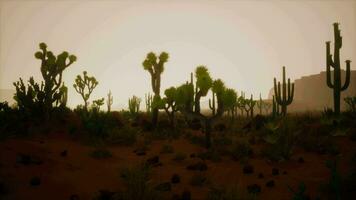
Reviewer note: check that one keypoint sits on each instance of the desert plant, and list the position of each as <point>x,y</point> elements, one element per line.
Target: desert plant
<point>98,103</point>
<point>229,193</point>
<point>334,62</point>
<point>155,66</point>
<point>335,179</point>
<point>275,107</point>
<point>351,103</point>
<point>198,180</point>
<point>122,136</point>
<point>148,101</point>
<point>179,156</point>
<point>169,104</point>
<point>185,99</point>
<point>134,105</point>
<point>137,184</point>
<point>109,101</point>
<point>212,103</point>
<point>249,106</point>
<point>166,149</point>
<point>284,97</point>
<point>100,154</point>
<point>85,86</point>
<point>300,194</point>
<point>50,90</point>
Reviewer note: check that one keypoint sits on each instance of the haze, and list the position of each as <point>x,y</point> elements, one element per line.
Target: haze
<point>245,43</point>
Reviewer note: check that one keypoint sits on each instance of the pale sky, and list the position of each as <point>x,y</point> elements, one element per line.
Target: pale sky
<point>245,43</point>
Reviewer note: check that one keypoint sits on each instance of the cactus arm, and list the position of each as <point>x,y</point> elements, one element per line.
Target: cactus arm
<point>276,89</point>
<point>348,76</point>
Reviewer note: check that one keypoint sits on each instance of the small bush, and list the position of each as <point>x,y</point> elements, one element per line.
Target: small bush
<point>136,181</point>
<point>230,193</point>
<point>241,150</point>
<point>100,154</point>
<point>212,155</point>
<point>166,149</point>
<point>198,180</point>
<point>122,136</point>
<point>180,156</point>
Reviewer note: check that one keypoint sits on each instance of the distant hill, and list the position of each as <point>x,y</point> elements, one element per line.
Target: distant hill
<point>7,95</point>
<point>312,93</point>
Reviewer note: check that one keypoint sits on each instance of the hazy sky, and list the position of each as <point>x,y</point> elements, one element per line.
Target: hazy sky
<point>245,43</point>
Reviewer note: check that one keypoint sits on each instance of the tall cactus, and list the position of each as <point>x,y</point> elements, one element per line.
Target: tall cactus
<point>284,97</point>
<point>335,63</point>
<point>212,103</point>
<point>155,66</point>
<point>275,107</point>
<point>109,101</point>
<point>134,105</point>
<point>249,106</point>
<point>260,104</point>
<point>148,102</point>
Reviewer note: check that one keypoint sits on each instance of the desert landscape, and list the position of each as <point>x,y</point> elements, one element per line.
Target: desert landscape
<point>200,139</point>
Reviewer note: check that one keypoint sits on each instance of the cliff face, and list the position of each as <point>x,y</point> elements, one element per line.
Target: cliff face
<point>312,93</point>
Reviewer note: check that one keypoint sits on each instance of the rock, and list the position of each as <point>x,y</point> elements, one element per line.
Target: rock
<point>176,197</point>
<point>270,183</point>
<point>301,160</point>
<point>164,187</point>
<point>3,189</point>
<point>186,195</point>
<point>74,197</point>
<point>64,153</point>
<point>105,195</point>
<point>192,155</point>
<point>28,159</point>
<point>248,169</point>
<point>254,189</point>
<point>284,172</point>
<point>140,152</point>
<point>153,161</point>
<point>275,172</point>
<point>260,176</point>
<point>175,179</point>
<point>35,181</point>
<point>199,166</point>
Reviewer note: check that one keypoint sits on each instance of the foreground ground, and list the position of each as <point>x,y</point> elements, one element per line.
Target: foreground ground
<point>77,174</point>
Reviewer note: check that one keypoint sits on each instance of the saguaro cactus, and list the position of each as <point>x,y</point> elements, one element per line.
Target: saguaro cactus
<point>285,97</point>
<point>212,103</point>
<point>260,104</point>
<point>335,64</point>
<point>134,105</point>
<point>275,107</point>
<point>85,86</point>
<point>249,106</point>
<point>109,101</point>
<point>155,66</point>
<point>148,102</point>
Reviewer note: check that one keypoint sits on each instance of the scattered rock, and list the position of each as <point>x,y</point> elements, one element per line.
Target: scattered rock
<point>28,159</point>
<point>192,155</point>
<point>153,161</point>
<point>275,172</point>
<point>64,153</point>
<point>140,152</point>
<point>186,195</point>
<point>74,197</point>
<point>164,187</point>
<point>260,176</point>
<point>105,195</point>
<point>35,181</point>
<point>270,183</point>
<point>175,179</point>
<point>254,189</point>
<point>284,172</point>
<point>248,169</point>
<point>199,166</point>
<point>301,160</point>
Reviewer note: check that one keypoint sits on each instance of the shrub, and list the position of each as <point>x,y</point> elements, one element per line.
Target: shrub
<point>230,193</point>
<point>241,150</point>
<point>100,154</point>
<point>180,156</point>
<point>122,136</point>
<point>198,180</point>
<point>211,154</point>
<point>167,149</point>
<point>136,180</point>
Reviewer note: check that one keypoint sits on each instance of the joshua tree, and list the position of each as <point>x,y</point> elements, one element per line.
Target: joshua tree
<point>334,62</point>
<point>109,101</point>
<point>285,97</point>
<point>155,66</point>
<point>185,98</point>
<point>64,97</point>
<point>98,103</point>
<point>148,101</point>
<point>169,103</point>
<point>51,90</point>
<point>85,86</point>
<point>240,103</point>
<point>134,105</point>
<point>212,103</point>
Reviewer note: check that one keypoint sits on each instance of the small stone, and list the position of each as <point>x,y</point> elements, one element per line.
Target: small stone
<point>192,155</point>
<point>260,176</point>
<point>74,197</point>
<point>284,172</point>
<point>105,195</point>
<point>35,181</point>
<point>140,152</point>
<point>254,189</point>
<point>186,195</point>
<point>270,183</point>
<point>64,153</point>
<point>275,172</point>
<point>153,161</point>
<point>301,160</point>
<point>164,187</point>
<point>175,179</point>
<point>248,169</point>
<point>199,166</point>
